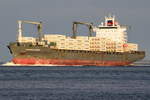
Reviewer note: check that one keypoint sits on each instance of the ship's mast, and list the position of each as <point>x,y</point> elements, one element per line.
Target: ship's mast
<point>74,28</point>
<point>39,28</point>
<point>19,39</point>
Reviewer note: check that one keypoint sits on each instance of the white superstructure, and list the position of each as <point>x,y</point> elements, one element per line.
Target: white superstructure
<point>111,29</point>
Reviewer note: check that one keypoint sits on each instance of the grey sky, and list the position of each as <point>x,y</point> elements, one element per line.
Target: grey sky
<point>57,16</point>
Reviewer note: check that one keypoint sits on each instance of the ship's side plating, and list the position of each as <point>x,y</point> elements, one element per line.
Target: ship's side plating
<point>29,54</point>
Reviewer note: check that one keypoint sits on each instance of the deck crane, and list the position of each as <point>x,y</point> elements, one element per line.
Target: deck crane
<point>39,28</point>
<point>74,28</point>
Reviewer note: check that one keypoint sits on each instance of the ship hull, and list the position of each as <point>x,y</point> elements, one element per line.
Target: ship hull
<point>26,54</point>
<point>31,61</point>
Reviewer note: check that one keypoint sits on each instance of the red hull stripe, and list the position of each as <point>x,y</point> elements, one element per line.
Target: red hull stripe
<point>31,61</point>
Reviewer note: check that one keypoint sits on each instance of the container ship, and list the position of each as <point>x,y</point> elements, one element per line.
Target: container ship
<point>108,47</point>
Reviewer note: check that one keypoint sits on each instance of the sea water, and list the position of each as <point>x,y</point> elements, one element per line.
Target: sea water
<point>74,83</point>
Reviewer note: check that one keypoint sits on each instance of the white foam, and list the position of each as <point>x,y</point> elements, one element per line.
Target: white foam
<point>12,64</point>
